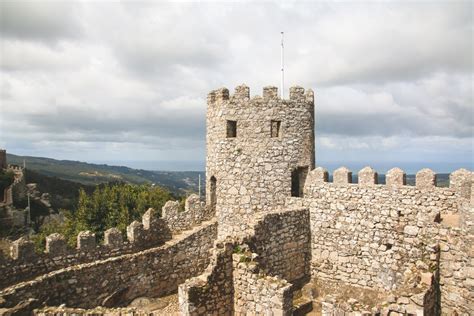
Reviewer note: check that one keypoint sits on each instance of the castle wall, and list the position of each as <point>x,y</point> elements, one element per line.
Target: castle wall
<point>116,281</point>
<point>253,274</point>
<point>369,235</point>
<point>211,293</point>
<point>379,236</point>
<point>253,170</point>
<point>282,241</point>
<point>24,263</point>
<point>257,293</point>
<point>195,211</point>
<point>457,262</point>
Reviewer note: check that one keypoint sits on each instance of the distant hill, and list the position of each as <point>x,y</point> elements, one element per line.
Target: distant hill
<point>178,182</point>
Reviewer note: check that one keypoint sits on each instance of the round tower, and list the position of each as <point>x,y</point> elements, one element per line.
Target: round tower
<point>259,152</point>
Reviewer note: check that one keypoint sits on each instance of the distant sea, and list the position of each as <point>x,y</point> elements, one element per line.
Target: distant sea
<point>381,167</point>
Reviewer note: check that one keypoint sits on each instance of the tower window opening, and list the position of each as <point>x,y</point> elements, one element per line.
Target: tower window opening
<point>298,178</point>
<point>213,194</point>
<point>275,128</point>
<point>231,129</point>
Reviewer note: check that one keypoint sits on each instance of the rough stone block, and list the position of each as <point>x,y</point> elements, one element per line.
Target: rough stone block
<point>461,180</point>
<point>86,240</point>
<point>149,219</point>
<point>297,93</point>
<point>193,204</point>
<point>396,177</point>
<point>368,176</point>
<point>22,249</point>
<point>425,179</point>
<point>113,238</point>
<point>221,94</point>
<point>242,92</point>
<point>270,92</point>
<point>318,175</point>
<point>342,176</point>
<point>135,232</point>
<point>169,209</point>
<point>309,96</point>
<point>56,244</point>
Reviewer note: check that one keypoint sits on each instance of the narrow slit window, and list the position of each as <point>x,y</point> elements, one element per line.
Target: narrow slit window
<point>275,128</point>
<point>231,129</point>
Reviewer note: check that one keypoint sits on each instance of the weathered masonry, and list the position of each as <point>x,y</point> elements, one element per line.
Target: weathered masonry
<point>259,151</point>
<point>275,236</point>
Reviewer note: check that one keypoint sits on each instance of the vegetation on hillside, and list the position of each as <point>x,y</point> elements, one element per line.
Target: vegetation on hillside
<point>115,205</point>
<point>178,182</point>
<point>6,179</point>
<point>63,194</point>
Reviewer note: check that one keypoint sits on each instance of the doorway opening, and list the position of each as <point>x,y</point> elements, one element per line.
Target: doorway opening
<point>298,178</point>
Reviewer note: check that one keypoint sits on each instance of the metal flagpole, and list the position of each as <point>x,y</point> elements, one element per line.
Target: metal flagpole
<point>282,93</point>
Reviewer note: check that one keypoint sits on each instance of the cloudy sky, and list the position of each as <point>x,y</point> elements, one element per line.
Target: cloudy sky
<point>127,82</point>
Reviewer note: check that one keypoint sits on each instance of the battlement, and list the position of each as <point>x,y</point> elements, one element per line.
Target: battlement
<point>24,262</point>
<point>426,179</point>
<point>297,95</point>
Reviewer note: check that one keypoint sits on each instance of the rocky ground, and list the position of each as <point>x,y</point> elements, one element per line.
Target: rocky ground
<point>167,305</point>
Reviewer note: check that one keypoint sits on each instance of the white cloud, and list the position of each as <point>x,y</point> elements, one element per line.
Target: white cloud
<point>132,78</point>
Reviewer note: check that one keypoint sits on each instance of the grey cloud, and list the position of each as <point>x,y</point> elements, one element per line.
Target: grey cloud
<point>142,71</point>
<point>39,20</point>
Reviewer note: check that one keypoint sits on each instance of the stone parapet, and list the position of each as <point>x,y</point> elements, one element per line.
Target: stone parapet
<point>156,271</point>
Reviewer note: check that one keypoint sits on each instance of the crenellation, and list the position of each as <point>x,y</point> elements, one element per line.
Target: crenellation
<point>297,93</point>
<point>309,96</point>
<point>317,175</point>
<point>86,241</point>
<point>149,220</point>
<point>461,181</point>
<point>195,211</point>
<point>56,245</point>
<point>113,238</point>
<point>395,177</point>
<point>242,92</point>
<point>270,93</point>
<point>22,249</point>
<point>425,179</point>
<point>342,175</point>
<point>367,176</point>
<point>135,233</point>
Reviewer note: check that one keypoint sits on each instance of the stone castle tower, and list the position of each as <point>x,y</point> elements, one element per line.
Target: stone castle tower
<point>259,151</point>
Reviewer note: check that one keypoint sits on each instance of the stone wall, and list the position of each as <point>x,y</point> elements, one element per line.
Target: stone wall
<point>252,172</point>
<point>211,293</point>
<point>116,281</point>
<point>456,260</point>
<point>282,241</point>
<point>255,292</point>
<point>195,211</point>
<point>24,263</point>
<point>368,234</point>
<point>254,272</point>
